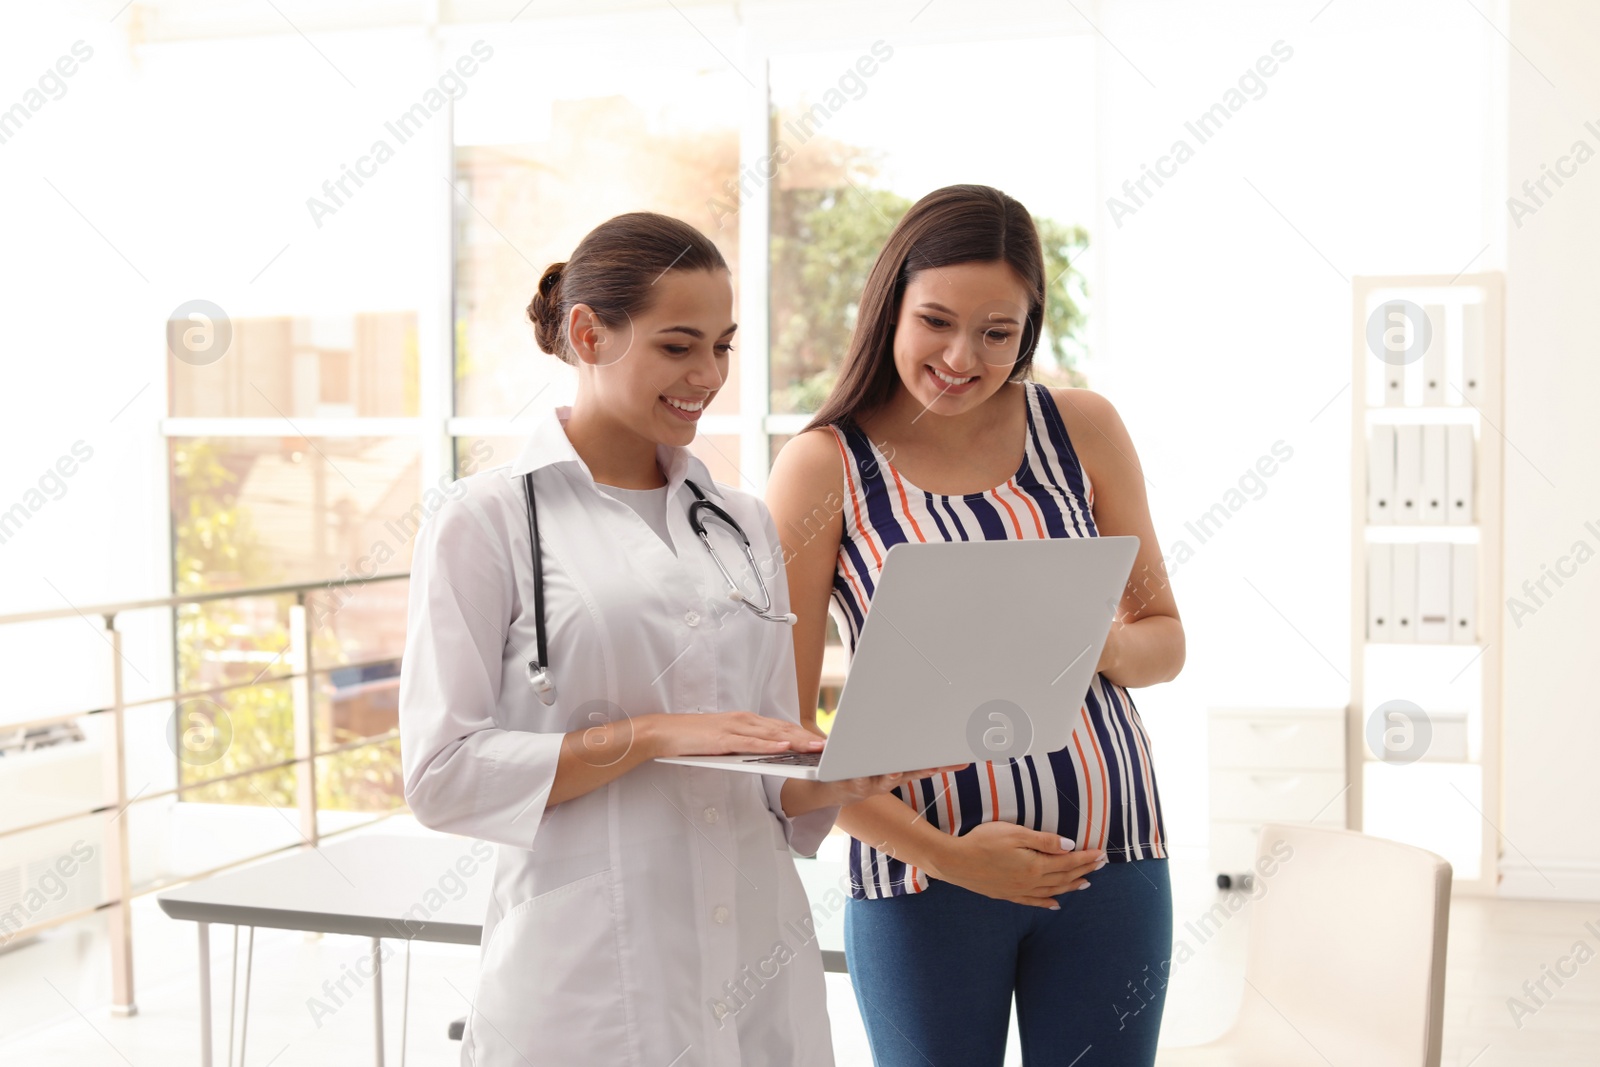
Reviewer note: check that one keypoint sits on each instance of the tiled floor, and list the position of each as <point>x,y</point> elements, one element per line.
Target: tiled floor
<point>54,992</point>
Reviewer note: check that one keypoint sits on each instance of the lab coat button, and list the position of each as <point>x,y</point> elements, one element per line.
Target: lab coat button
<point>692,618</point>
<point>711,814</point>
<point>720,913</point>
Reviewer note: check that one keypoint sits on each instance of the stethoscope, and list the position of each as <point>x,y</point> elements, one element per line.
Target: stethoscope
<point>538,669</point>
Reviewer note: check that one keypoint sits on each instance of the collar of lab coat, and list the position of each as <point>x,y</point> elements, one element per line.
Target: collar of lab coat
<point>549,444</point>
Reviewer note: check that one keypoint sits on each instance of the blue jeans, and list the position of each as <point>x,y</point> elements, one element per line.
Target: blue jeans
<point>934,973</point>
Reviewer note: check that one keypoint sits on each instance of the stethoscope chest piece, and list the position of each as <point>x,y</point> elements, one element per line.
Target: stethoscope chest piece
<point>539,678</point>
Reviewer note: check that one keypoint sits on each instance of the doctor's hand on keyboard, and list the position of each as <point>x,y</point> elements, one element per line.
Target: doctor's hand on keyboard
<point>723,733</point>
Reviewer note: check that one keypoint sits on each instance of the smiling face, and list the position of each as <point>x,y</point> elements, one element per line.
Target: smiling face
<point>655,372</point>
<point>959,333</point>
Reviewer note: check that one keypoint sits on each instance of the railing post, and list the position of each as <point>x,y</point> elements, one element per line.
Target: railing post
<point>119,926</point>
<point>305,717</point>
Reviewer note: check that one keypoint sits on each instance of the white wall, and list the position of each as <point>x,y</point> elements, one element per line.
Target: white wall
<point>1222,308</point>
<point>1552,731</point>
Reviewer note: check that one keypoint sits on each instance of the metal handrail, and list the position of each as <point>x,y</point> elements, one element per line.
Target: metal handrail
<point>260,768</point>
<point>178,599</point>
<point>307,751</point>
<point>193,694</point>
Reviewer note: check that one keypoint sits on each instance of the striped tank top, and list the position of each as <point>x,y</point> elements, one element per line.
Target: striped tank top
<point>1100,790</point>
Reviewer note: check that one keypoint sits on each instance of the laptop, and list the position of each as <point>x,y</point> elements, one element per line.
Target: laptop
<point>971,651</point>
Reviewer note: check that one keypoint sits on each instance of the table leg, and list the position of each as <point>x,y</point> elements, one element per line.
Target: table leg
<point>205,994</point>
<point>233,990</point>
<point>377,998</point>
<point>405,1004</point>
<point>244,1015</point>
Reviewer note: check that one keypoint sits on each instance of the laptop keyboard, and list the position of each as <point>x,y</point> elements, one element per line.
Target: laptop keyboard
<point>794,759</point>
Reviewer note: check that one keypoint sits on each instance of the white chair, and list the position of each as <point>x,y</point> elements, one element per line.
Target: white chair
<point>1346,960</point>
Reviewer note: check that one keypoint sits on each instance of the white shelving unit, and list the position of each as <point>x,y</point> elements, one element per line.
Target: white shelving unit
<point>1444,795</point>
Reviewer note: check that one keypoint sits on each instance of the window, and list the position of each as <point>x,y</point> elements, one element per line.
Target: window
<point>535,170</point>
<point>866,132</point>
<point>267,506</point>
<point>316,367</point>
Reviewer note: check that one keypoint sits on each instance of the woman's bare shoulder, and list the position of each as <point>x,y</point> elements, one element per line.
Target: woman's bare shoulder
<point>807,476</point>
<point>811,459</point>
<point>1096,430</point>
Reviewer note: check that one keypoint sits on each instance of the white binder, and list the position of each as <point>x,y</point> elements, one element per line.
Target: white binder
<point>1394,372</point>
<point>1460,457</point>
<point>1403,593</point>
<point>1472,341</point>
<point>1433,359</point>
<point>1380,568</point>
<point>1464,594</point>
<point>1433,592</point>
<point>1433,497</point>
<point>1380,475</point>
<point>1407,474</point>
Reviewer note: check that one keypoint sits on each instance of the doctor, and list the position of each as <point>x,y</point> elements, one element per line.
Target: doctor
<point>642,913</point>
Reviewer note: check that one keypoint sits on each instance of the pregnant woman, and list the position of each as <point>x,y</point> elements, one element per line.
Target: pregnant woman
<point>969,889</point>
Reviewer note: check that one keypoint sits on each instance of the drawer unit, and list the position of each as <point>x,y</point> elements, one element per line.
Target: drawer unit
<point>1277,796</point>
<point>1248,742</point>
<point>1271,765</point>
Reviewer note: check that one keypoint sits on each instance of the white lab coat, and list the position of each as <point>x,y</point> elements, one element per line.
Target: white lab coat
<point>659,919</point>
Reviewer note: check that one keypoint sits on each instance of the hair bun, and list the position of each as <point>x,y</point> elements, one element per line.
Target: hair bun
<point>612,272</point>
<point>544,311</point>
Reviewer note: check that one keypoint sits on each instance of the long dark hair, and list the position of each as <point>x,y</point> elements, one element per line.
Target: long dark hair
<point>956,224</point>
<point>612,270</point>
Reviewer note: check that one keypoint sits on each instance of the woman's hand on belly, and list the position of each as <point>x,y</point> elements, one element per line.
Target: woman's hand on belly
<point>1011,862</point>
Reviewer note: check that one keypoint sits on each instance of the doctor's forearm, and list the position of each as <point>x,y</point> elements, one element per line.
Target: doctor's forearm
<point>801,796</point>
<point>597,755</point>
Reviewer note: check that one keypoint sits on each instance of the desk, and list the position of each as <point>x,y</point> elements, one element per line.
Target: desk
<point>385,886</point>
<point>372,886</point>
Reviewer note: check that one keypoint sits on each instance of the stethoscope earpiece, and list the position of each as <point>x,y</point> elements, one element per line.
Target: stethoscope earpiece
<point>734,592</point>
<point>739,598</point>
